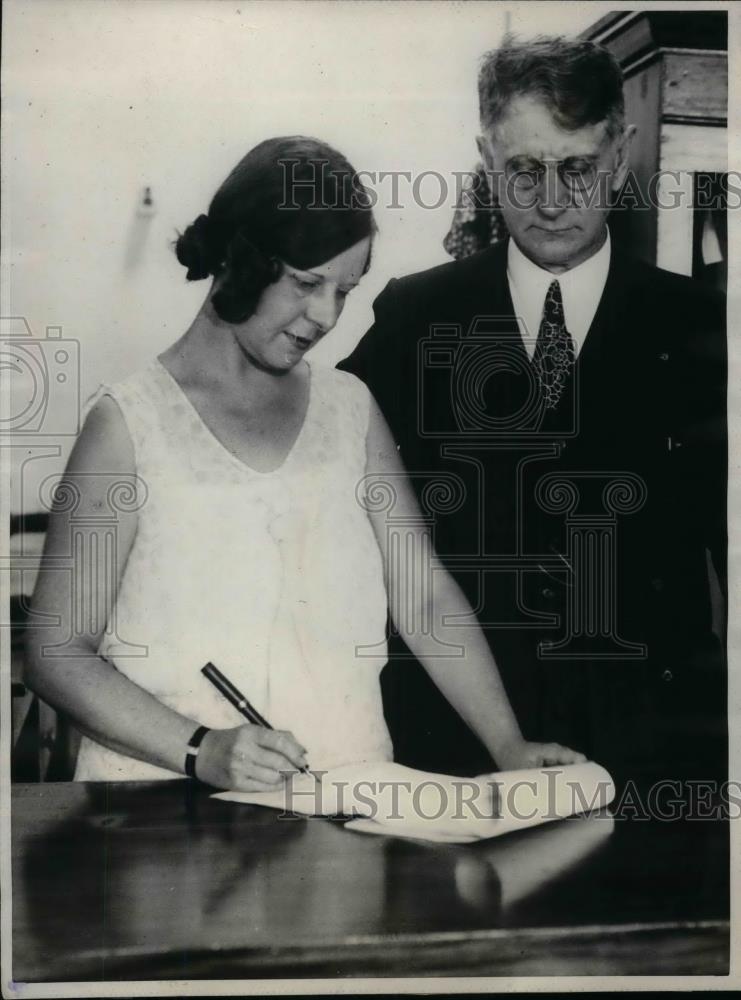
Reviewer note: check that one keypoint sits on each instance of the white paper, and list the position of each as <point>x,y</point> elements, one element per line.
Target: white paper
<point>387,798</point>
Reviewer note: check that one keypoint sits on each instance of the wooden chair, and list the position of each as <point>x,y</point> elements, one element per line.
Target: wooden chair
<point>44,743</point>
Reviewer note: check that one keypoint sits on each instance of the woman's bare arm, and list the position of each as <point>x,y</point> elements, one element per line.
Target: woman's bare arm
<point>471,682</point>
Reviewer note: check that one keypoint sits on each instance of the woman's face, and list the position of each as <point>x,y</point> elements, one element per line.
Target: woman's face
<point>297,310</point>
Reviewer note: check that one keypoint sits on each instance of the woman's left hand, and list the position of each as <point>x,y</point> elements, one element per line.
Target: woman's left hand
<point>522,754</point>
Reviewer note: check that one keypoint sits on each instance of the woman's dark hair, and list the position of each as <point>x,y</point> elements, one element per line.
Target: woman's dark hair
<point>291,199</point>
<point>580,81</point>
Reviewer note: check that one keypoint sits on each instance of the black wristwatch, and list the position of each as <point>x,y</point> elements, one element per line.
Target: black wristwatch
<point>191,751</point>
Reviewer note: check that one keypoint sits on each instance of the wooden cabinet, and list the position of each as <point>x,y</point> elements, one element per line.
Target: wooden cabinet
<point>676,93</point>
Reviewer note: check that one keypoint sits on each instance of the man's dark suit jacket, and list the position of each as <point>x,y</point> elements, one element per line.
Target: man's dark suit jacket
<point>622,659</point>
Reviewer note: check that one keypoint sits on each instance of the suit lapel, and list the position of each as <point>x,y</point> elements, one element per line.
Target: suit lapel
<point>489,295</point>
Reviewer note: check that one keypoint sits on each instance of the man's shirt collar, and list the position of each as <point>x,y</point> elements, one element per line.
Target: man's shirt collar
<point>581,291</point>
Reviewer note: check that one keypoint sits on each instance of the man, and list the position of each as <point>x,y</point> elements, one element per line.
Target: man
<point>574,399</point>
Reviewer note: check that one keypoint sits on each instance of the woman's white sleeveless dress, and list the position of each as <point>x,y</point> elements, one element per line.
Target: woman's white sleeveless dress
<point>274,577</point>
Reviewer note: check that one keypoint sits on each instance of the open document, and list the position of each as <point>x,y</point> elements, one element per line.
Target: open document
<point>388,798</point>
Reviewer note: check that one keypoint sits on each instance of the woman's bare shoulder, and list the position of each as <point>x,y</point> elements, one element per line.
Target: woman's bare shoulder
<point>104,443</point>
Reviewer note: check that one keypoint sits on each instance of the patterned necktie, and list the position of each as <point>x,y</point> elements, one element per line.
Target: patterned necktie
<point>554,349</point>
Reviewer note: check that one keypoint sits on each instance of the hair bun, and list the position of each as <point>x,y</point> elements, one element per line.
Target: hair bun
<point>195,249</point>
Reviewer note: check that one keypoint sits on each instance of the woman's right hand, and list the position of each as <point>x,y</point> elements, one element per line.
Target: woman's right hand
<point>248,758</point>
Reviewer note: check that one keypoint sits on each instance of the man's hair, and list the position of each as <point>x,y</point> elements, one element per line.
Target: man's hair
<point>580,82</point>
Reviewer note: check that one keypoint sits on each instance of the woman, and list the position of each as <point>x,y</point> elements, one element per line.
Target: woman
<point>248,546</point>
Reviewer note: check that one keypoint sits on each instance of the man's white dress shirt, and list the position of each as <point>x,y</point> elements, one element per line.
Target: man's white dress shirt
<point>581,291</point>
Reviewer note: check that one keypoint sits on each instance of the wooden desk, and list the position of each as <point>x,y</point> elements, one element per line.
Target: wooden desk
<point>158,881</point>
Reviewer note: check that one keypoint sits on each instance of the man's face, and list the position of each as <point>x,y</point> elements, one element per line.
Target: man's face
<point>553,185</point>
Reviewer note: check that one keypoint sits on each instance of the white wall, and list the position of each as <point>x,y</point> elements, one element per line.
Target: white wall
<point>103,97</point>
